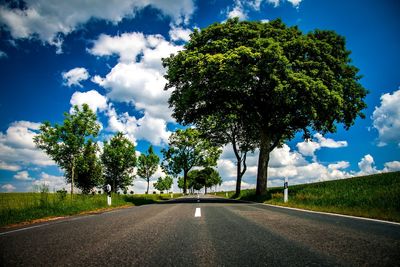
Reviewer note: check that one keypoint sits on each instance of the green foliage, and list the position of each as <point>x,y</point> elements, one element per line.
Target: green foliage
<point>89,170</point>
<point>273,79</point>
<point>66,143</point>
<point>206,178</point>
<point>163,184</point>
<point>119,160</point>
<point>23,207</point>
<point>147,165</point>
<point>186,150</point>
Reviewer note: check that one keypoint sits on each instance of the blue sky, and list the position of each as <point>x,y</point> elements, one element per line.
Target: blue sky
<point>54,54</point>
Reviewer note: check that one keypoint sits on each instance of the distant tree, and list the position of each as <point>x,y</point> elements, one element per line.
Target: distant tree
<point>89,170</point>
<point>65,143</point>
<point>222,129</point>
<point>187,150</point>
<point>206,178</point>
<point>147,165</point>
<point>180,182</point>
<point>274,79</point>
<point>163,184</point>
<point>119,160</point>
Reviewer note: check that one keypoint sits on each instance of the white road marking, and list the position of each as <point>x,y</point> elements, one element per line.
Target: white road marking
<point>197,213</point>
<point>23,229</point>
<point>333,214</point>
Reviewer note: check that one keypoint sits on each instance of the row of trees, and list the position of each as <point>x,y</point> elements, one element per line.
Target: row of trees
<point>71,145</point>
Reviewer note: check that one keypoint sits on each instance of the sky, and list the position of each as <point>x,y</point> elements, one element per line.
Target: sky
<point>107,53</point>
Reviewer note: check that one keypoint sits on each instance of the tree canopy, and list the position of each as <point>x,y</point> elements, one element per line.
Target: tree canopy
<point>148,165</point>
<point>65,143</point>
<point>186,150</point>
<point>163,184</point>
<point>119,160</point>
<point>274,79</point>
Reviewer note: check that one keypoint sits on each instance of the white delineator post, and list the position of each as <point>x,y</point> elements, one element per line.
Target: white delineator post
<point>172,190</point>
<point>108,188</point>
<point>285,190</point>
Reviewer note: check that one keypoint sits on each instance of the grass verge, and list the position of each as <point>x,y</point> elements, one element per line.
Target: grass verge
<point>28,207</point>
<point>374,196</point>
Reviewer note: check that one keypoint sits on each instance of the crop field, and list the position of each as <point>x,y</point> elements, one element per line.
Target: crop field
<point>26,207</point>
<point>374,196</point>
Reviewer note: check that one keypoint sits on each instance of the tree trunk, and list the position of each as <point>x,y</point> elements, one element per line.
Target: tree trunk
<point>205,190</point>
<point>72,177</point>
<point>240,157</point>
<point>184,181</point>
<point>238,177</point>
<point>263,159</point>
<point>148,182</point>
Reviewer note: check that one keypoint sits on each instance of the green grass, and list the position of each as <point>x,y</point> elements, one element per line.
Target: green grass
<point>26,207</point>
<point>374,196</point>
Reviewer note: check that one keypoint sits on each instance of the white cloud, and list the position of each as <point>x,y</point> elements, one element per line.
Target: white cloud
<point>339,165</point>
<point>3,54</point>
<point>366,165</point>
<point>295,3</point>
<point>93,99</point>
<point>179,33</point>
<point>75,76</point>
<point>9,167</point>
<point>386,119</point>
<point>147,127</point>
<point>8,187</point>
<point>237,11</point>
<point>138,77</point>
<point>52,181</point>
<point>23,176</point>
<point>308,147</point>
<point>50,20</point>
<point>18,149</point>
<point>392,166</point>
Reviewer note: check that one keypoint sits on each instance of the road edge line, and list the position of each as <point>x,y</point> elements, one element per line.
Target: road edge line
<point>331,214</point>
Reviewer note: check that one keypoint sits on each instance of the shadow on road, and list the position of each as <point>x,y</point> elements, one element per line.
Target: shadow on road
<point>191,200</point>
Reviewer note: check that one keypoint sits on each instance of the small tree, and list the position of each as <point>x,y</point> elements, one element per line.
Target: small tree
<point>163,184</point>
<point>119,160</point>
<point>89,170</point>
<point>147,165</point>
<point>65,143</point>
<point>186,150</point>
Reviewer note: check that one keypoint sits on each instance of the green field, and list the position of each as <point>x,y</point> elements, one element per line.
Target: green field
<point>374,196</point>
<point>26,207</point>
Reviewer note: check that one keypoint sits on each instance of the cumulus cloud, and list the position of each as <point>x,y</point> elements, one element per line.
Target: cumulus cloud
<point>308,147</point>
<point>386,119</point>
<point>23,176</point>
<point>339,165</point>
<point>366,165</point>
<point>138,76</point>
<point>147,127</point>
<point>179,33</point>
<point>18,149</point>
<point>392,166</point>
<point>8,187</point>
<point>93,99</point>
<point>237,11</point>
<point>51,20</point>
<point>75,77</point>
<point>54,182</point>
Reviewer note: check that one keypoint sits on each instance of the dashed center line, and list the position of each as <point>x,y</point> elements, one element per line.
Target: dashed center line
<point>197,212</point>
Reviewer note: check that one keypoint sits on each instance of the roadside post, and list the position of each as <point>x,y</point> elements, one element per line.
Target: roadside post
<point>285,190</point>
<point>172,191</point>
<point>108,188</point>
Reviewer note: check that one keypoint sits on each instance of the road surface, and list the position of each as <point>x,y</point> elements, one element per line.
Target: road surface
<point>212,232</point>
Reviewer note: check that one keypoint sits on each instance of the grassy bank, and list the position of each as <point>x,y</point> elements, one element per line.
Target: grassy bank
<point>374,196</point>
<point>26,207</point>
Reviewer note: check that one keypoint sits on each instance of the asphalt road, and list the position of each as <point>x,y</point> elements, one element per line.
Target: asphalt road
<point>227,233</point>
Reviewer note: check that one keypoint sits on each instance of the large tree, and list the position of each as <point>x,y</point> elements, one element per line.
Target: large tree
<point>148,165</point>
<point>186,150</point>
<point>66,142</point>
<point>119,160</point>
<point>275,79</point>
